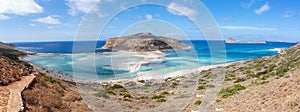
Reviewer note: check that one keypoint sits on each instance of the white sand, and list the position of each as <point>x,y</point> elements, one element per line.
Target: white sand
<point>147,57</point>
<point>149,75</point>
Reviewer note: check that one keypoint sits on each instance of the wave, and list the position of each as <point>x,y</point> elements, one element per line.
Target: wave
<point>29,48</point>
<point>275,49</point>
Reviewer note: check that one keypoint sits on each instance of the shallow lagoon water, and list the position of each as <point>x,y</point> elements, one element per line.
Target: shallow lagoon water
<point>91,63</point>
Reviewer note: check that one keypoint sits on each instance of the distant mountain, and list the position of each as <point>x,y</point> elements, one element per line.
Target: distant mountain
<point>143,42</point>
<point>232,40</point>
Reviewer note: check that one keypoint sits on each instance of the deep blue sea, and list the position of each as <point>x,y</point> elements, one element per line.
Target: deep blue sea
<point>88,64</point>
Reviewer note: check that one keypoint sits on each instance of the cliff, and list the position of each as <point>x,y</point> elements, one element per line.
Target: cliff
<point>143,42</point>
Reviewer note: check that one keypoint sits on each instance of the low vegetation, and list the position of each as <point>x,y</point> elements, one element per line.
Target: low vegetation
<point>232,90</point>
<point>49,79</point>
<point>201,87</point>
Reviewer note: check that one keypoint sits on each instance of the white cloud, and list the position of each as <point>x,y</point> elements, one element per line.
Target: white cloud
<point>148,16</point>
<point>245,28</point>
<point>19,7</point>
<point>226,18</point>
<point>288,14</point>
<point>78,6</point>
<point>48,20</point>
<point>33,25</point>
<point>180,10</point>
<point>263,9</point>
<point>248,4</point>
<point>3,17</point>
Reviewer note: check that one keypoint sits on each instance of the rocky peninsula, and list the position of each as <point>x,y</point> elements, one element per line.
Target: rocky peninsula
<point>143,42</point>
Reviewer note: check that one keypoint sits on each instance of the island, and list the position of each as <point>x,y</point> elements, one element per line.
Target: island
<point>232,40</point>
<point>143,42</point>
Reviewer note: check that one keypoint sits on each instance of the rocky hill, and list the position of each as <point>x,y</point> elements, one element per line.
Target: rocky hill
<point>143,42</point>
<point>11,68</point>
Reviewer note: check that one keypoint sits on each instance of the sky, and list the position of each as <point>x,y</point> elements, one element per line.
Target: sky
<point>61,20</point>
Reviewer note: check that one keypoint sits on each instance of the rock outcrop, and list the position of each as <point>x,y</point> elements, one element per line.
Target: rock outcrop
<point>143,42</point>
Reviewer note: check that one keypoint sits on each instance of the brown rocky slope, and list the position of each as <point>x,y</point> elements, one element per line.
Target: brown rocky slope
<point>44,94</point>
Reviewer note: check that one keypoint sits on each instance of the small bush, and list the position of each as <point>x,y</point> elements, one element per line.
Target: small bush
<point>198,102</point>
<point>49,79</point>
<point>231,90</point>
<point>158,97</point>
<point>141,81</point>
<point>165,93</point>
<point>161,100</point>
<point>116,86</point>
<point>239,80</point>
<point>110,92</point>
<point>211,86</point>
<point>126,99</point>
<point>127,96</point>
<point>201,87</point>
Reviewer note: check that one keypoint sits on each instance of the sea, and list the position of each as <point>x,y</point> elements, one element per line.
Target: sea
<point>96,64</point>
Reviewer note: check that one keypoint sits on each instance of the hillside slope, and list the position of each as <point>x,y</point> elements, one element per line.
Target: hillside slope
<point>266,84</point>
<point>44,94</point>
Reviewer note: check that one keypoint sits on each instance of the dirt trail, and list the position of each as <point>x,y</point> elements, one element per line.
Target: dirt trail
<point>10,96</point>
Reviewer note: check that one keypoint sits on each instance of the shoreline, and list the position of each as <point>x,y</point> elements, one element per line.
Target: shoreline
<point>139,76</point>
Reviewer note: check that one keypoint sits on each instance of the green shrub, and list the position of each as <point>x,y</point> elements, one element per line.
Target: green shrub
<point>218,100</point>
<point>231,90</point>
<point>161,100</point>
<point>198,102</point>
<point>257,75</point>
<point>256,82</point>
<point>110,92</point>
<point>158,97</point>
<point>211,86</point>
<point>201,87</point>
<point>281,71</point>
<point>126,99</point>
<point>165,93</point>
<point>49,79</point>
<point>116,86</point>
<point>239,80</point>
<point>141,81</point>
<point>127,96</point>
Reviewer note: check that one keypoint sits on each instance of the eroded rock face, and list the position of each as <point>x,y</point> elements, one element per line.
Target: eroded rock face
<point>143,42</point>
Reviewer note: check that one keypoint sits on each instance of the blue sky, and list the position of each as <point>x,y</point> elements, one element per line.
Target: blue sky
<point>58,20</point>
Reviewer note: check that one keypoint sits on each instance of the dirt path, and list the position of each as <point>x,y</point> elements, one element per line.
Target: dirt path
<point>10,96</point>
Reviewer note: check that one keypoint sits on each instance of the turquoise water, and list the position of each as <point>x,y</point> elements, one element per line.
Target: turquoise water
<point>90,66</point>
